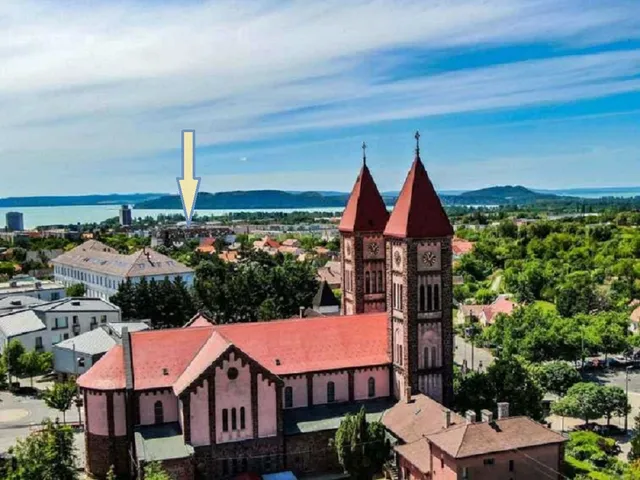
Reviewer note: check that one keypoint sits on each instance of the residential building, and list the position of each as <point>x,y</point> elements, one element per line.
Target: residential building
<point>324,303</point>
<point>211,401</point>
<point>40,327</point>
<point>461,247</point>
<point>18,302</point>
<point>432,442</point>
<point>486,314</point>
<point>15,222</point>
<point>102,269</point>
<point>126,217</point>
<point>76,355</point>
<point>331,273</point>
<point>22,285</point>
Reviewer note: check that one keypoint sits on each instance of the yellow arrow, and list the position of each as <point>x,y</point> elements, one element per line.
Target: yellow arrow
<point>188,184</point>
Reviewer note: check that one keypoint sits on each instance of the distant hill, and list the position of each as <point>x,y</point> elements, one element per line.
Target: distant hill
<point>66,201</point>
<point>501,196</point>
<point>249,200</point>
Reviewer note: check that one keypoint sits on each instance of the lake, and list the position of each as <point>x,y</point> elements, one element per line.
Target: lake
<point>35,216</point>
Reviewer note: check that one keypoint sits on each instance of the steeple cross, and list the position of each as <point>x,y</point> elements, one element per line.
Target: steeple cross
<point>417,137</point>
<point>364,153</point>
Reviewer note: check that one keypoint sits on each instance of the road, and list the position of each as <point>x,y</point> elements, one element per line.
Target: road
<point>463,351</point>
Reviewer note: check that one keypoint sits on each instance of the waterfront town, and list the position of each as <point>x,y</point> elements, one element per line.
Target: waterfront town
<point>229,349</point>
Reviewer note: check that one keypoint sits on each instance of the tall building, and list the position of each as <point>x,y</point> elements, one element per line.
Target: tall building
<point>363,249</point>
<point>15,221</point>
<point>125,216</point>
<point>211,401</point>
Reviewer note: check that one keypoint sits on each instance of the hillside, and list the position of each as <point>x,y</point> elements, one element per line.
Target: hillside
<point>501,196</point>
<point>72,200</point>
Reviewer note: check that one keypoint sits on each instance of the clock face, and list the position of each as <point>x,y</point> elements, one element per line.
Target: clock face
<point>429,258</point>
<point>374,248</point>
<point>397,257</point>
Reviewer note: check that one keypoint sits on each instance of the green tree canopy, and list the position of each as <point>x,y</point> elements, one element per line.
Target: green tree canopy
<point>584,400</point>
<point>60,397</point>
<point>76,290</point>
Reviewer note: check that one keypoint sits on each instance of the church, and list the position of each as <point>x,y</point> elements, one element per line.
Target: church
<point>212,401</point>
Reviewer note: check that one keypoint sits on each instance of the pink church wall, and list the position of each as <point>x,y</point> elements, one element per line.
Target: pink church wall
<point>398,339</point>
<point>180,415</point>
<point>267,418</point>
<point>299,390</point>
<point>169,405</point>
<point>232,394</point>
<point>96,414</point>
<point>398,387</point>
<point>320,381</point>
<point>200,434</point>
<point>119,415</point>
<point>361,383</point>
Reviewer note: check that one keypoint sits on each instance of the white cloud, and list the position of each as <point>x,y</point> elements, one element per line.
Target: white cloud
<point>96,85</point>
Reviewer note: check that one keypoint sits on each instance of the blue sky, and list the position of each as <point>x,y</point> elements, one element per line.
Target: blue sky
<point>93,95</point>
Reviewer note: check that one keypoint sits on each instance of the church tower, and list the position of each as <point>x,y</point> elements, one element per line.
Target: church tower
<point>419,289</point>
<point>362,246</point>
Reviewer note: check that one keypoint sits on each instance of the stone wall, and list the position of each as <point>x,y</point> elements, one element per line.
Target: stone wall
<point>309,453</point>
<point>102,452</point>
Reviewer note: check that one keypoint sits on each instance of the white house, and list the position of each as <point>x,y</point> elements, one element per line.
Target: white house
<point>102,269</point>
<point>24,285</point>
<point>39,327</point>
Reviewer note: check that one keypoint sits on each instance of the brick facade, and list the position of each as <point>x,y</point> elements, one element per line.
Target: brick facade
<point>103,451</point>
<point>310,453</point>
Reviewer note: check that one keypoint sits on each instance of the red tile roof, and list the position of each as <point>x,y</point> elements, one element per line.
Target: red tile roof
<point>459,246</point>
<point>365,210</point>
<point>215,346</point>
<point>282,347</point>
<point>418,212</point>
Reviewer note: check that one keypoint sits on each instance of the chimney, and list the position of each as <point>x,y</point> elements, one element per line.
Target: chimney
<point>470,415</point>
<point>503,410</point>
<point>301,312</point>
<point>407,393</point>
<point>487,416</point>
<point>447,418</point>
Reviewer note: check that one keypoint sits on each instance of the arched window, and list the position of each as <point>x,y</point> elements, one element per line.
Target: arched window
<point>429,298</point>
<point>400,354</point>
<point>425,355</point>
<point>158,411</point>
<point>225,420</point>
<point>380,282</point>
<point>288,397</point>
<point>434,356</point>
<point>367,283</point>
<point>234,419</point>
<point>374,283</point>
<point>436,297</point>
<point>372,387</point>
<point>331,392</point>
<point>421,298</point>
<point>242,419</point>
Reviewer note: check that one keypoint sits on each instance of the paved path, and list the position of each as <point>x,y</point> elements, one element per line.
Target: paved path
<point>463,351</point>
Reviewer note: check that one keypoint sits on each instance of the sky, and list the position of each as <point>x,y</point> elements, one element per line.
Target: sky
<point>540,93</point>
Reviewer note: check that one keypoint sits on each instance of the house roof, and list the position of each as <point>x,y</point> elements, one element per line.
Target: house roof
<point>325,297</point>
<point>78,304</point>
<point>117,327</point>
<point>20,322</point>
<point>18,302</point>
<point>502,304</point>
<point>283,347</point>
<point>468,440</point>
<point>418,453</point>
<point>365,210</point>
<point>460,246</point>
<point>418,212</point>
<point>91,343</point>
<point>331,273</point>
<point>98,257</point>
<point>422,416</point>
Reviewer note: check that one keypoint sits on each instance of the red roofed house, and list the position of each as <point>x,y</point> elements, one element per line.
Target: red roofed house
<point>461,247</point>
<point>212,401</point>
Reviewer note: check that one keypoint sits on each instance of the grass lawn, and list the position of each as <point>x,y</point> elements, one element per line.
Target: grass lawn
<point>546,306</point>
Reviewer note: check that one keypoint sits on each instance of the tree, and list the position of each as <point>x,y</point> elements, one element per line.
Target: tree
<point>154,471</point>
<point>33,363</point>
<point>362,447</point>
<point>11,358</point>
<point>583,400</point>
<point>484,296</point>
<point>615,402</point>
<point>47,454</point>
<point>513,383</point>
<point>634,453</point>
<point>556,377</point>
<point>60,397</point>
<point>76,290</point>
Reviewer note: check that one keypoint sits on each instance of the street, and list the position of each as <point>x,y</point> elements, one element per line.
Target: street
<point>463,351</point>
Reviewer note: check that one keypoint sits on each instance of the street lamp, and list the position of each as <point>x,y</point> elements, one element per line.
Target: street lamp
<point>626,411</point>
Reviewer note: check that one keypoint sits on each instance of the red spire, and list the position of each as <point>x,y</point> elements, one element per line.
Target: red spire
<point>418,212</point>
<point>365,210</point>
